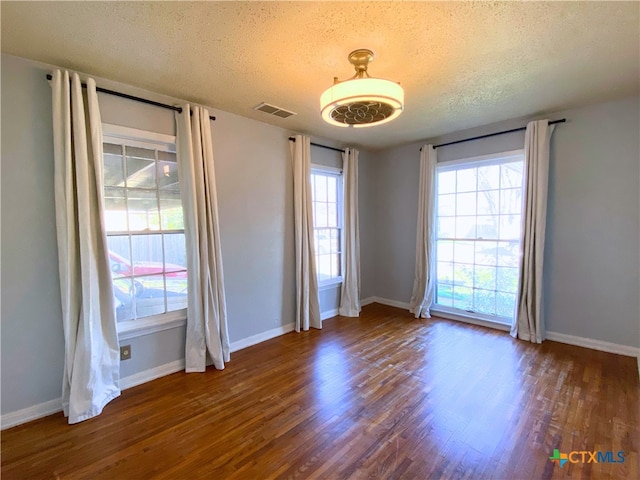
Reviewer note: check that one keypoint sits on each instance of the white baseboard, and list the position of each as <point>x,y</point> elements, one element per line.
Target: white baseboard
<point>328,314</point>
<point>40,410</point>
<point>391,303</point>
<point>151,374</point>
<point>12,419</point>
<point>595,344</point>
<point>553,336</point>
<point>262,337</point>
<point>366,301</point>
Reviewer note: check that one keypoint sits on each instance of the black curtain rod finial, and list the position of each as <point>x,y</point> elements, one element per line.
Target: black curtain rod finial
<point>293,139</point>
<point>136,99</point>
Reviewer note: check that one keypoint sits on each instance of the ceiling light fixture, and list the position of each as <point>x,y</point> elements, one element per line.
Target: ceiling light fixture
<point>361,101</point>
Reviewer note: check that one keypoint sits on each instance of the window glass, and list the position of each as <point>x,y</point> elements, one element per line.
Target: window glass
<point>145,229</point>
<point>327,205</point>
<point>479,217</point>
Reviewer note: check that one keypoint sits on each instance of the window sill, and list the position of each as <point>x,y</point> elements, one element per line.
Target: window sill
<point>498,323</point>
<point>330,284</point>
<point>149,325</point>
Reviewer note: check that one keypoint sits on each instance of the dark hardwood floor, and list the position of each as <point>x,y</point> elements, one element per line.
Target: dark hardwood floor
<point>383,396</point>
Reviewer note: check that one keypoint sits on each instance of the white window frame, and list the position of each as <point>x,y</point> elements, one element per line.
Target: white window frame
<point>477,161</point>
<point>337,172</point>
<point>133,137</point>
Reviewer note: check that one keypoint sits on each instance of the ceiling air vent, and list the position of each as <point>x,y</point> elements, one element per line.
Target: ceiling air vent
<point>273,110</point>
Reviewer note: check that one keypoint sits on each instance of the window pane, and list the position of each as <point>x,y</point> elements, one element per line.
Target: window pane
<point>489,177</point>
<point>176,271</point>
<point>445,251</point>
<point>447,182</point>
<point>486,253</point>
<point>113,170</point>
<point>141,196</point>
<point>149,296</point>
<point>462,297</point>
<point>167,173</point>
<point>507,279</point>
<point>508,254</point>
<point>466,180</point>
<point>466,204</point>
<point>123,298</point>
<point>511,200</point>
<point>484,301</point>
<point>332,214</point>
<point>509,227</point>
<point>446,205</point>
<point>444,295</point>
<point>335,240</point>
<point>115,210</point>
<point>119,256</point>
<point>445,272</point>
<point>176,294</point>
<point>478,236</point>
<point>463,274</point>
<point>171,214</point>
<point>332,188</point>
<point>466,227</point>
<point>511,175</point>
<point>505,304</point>
<point>323,244</point>
<point>487,227</point>
<point>140,163</point>
<point>463,252</point>
<point>143,210</point>
<point>335,265</point>
<point>324,267</point>
<point>320,214</point>
<point>325,196</point>
<point>488,202</point>
<point>147,254</point>
<point>320,192</point>
<point>485,277</point>
<point>447,227</point>
<point>175,255</point>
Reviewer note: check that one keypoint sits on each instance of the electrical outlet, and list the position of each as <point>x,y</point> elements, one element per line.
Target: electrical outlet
<point>125,352</point>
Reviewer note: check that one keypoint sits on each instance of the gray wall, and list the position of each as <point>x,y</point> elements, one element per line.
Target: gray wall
<point>592,256</point>
<point>367,214</point>
<point>32,342</point>
<point>255,198</point>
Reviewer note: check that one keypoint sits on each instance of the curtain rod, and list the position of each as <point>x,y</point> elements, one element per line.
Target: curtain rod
<point>137,99</point>
<point>292,139</point>
<point>562,120</point>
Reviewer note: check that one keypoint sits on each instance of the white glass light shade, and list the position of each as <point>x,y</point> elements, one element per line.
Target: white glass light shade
<point>360,90</point>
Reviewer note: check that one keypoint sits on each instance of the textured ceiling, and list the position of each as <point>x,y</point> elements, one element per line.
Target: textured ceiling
<point>461,64</point>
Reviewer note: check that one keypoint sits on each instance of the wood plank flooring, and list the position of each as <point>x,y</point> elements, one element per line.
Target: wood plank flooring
<point>382,396</point>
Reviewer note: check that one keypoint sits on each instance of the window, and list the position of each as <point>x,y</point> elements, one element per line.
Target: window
<point>144,224</point>
<point>326,187</point>
<point>479,212</point>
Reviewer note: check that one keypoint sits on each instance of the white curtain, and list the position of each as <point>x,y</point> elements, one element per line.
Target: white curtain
<point>307,303</point>
<point>206,307</point>
<point>350,292</point>
<point>92,355</point>
<point>424,278</point>
<point>528,323</point>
